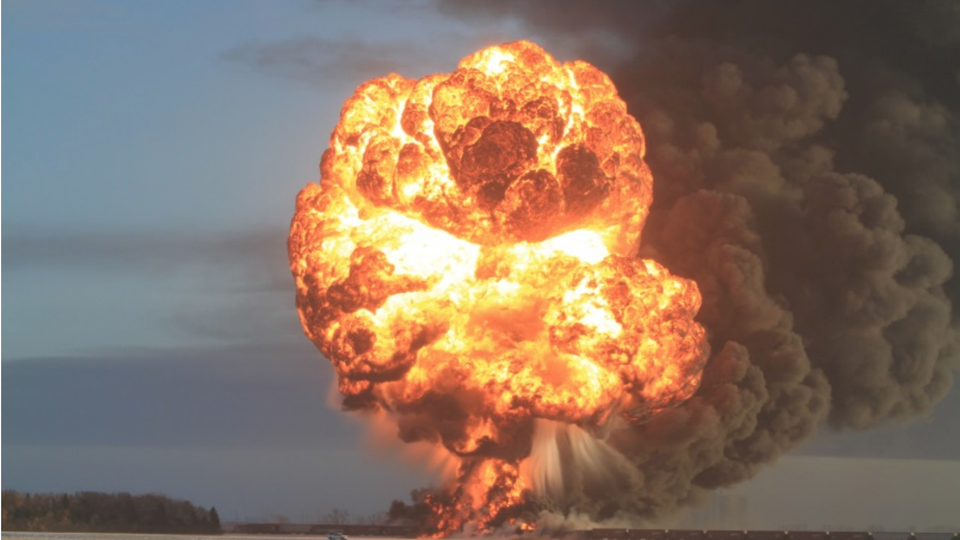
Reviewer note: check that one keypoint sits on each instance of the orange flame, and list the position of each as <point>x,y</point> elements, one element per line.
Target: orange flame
<point>469,258</point>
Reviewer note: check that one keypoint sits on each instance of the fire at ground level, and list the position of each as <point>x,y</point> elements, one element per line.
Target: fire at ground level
<point>404,531</point>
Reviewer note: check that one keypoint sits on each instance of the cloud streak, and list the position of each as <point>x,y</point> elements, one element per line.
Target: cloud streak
<point>230,288</point>
<point>247,395</point>
<point>260,254</point>
<point>325,61</point>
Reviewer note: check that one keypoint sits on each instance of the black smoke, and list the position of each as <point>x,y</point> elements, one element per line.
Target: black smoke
<point>806,158</point>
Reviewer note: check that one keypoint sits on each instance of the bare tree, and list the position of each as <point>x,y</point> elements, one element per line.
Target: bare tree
<point>337,516</point>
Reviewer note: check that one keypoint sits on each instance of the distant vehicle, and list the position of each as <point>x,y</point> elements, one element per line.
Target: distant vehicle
<point>337,536</point>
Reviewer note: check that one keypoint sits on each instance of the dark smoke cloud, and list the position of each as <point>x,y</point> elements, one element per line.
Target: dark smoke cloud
<point>806,158</point>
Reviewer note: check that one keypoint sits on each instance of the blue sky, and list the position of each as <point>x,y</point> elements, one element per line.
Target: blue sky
<point>150,343</point>
<point>154,152</point>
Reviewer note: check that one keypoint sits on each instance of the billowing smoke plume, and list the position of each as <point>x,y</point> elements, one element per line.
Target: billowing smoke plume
<point>806,158</point>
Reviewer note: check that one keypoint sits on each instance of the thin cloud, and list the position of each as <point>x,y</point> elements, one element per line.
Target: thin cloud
<point>232,288</point>
<point>323,61</point>
<point>258,257</point>
<point>267,395</point>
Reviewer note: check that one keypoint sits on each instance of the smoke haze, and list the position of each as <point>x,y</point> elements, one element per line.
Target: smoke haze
<point>806,160</point>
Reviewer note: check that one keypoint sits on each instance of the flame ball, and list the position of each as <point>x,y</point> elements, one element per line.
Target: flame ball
<point>470,256</point>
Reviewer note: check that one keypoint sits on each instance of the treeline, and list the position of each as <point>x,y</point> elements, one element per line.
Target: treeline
<point>89,511</point>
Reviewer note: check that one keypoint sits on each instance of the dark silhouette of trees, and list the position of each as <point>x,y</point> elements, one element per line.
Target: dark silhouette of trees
<point>90,511</point>
<point>214,518</point>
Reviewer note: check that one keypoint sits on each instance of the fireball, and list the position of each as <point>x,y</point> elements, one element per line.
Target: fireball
<point>468,265</point>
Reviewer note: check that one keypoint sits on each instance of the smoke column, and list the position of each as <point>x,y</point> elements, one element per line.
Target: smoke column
<point>807,163</point>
